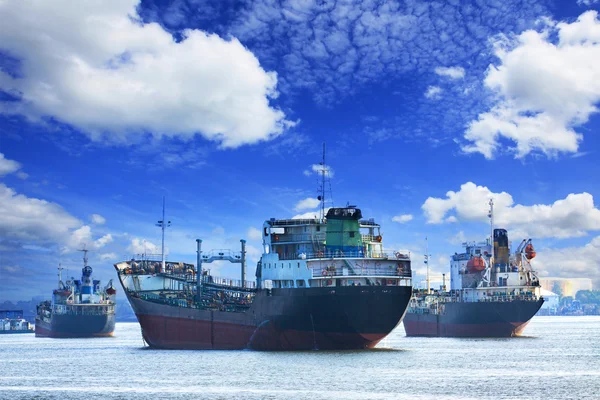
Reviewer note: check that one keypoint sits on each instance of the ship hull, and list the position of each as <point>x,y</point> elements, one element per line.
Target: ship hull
<point>477,319</point>
<point>280,319</point>
<point>75,326</point>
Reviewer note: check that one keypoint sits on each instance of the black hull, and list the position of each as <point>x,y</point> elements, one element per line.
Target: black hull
<point>280,319</point>
<point>477,319</point>
<point>76,326</point>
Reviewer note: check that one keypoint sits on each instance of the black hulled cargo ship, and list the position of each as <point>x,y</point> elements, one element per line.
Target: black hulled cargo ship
<point>321,283</point>
<point>79,308</point>
<point>493,293</point>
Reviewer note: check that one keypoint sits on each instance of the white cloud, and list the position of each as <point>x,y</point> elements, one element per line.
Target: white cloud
<point>333,48</point>
<point>97,67</point>
<point>402,218</point>
<point>451,72</point>
<point>306,204</point>
<point>103,241</point>
<point>142,246</point>
<point>433,92</point>
<point>572,216</point>
<point>587,3</point>
<point>29,219</point>
<point>8,166</point>
<point>570,262</point>
<point>98,219</point>
<point>22,175</point>
<point>83,238</point>
<point>108,256</point>
<point>254,234</point>
<point>319,169</point>
<point>544,90</point>
<point>310,214</point>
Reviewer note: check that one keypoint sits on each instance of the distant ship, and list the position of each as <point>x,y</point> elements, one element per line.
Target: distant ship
<point>12,321</point>
<point>493,293</point>
<point>79,308</point>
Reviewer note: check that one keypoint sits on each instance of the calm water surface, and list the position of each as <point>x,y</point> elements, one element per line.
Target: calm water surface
<point>558,359</point>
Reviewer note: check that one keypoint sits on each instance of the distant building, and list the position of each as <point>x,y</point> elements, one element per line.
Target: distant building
<point>551,302</point>
<point>566,286</point>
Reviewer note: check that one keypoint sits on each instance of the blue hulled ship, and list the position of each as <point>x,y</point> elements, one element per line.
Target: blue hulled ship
<point>79,308</point>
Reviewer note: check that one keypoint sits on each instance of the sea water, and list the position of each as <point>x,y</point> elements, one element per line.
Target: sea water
<point>558,358</point>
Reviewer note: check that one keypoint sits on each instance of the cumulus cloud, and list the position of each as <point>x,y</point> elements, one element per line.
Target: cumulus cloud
<point>254,234</point>
<point>310,214</point>
<point>433,92</point>
<point>95,66</point>
<point>98,219</point>
<point>570,262</point>
<point>108,256</point>
<point>30,219</point>
<point>572,216</point>
<point>8,166</point>
<point>142,246</point>
<point>545,88</point>
<point>83,238</point>
<point>307,204</point>
<point>451,72</point>
<point>402,218</point>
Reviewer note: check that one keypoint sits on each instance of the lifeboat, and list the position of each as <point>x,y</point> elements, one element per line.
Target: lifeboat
<point>529,251</point>
<point>475,264</point>
<point>110,291</point>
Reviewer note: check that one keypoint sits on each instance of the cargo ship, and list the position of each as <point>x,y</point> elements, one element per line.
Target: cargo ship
<point>12,321</point>
<point>493,293</point>
<point>321,283</point>
<point>79,308</point>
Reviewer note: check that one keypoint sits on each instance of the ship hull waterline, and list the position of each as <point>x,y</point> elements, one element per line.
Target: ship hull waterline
<point>76,326</point>
<point>329,318</point>
<point>477,319</point>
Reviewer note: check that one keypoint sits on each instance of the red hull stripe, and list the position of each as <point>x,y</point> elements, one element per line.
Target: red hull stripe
<point>499,329</point>
<point>181,333</point>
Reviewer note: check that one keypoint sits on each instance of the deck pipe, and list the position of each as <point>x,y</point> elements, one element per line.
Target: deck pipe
<point>243,262</point>
<point>198,266</point>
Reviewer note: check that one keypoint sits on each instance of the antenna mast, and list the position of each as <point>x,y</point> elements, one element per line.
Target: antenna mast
<point>427,262</point>
<point>163,224</point>
<point>323,185</point>
<point>491,216</point>
<point>60,268</point>
<point>85,259</point>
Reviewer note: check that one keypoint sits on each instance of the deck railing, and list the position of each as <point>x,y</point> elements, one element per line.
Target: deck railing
<point>345,254</point>
<point>358,271</point>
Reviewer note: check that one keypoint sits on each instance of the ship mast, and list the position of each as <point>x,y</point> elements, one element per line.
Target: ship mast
<point>163,224</point>
<point>427,263</point>
<point>491,216</point>
<point>60,268</point>
<point>322,197</point>
<point>85,258</point>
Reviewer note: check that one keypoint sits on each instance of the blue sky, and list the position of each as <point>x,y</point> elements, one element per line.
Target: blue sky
<point>427,109</point>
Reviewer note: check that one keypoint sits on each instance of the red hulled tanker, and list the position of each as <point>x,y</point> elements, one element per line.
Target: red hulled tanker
<point>493,293</point>
<point>322,283</point>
